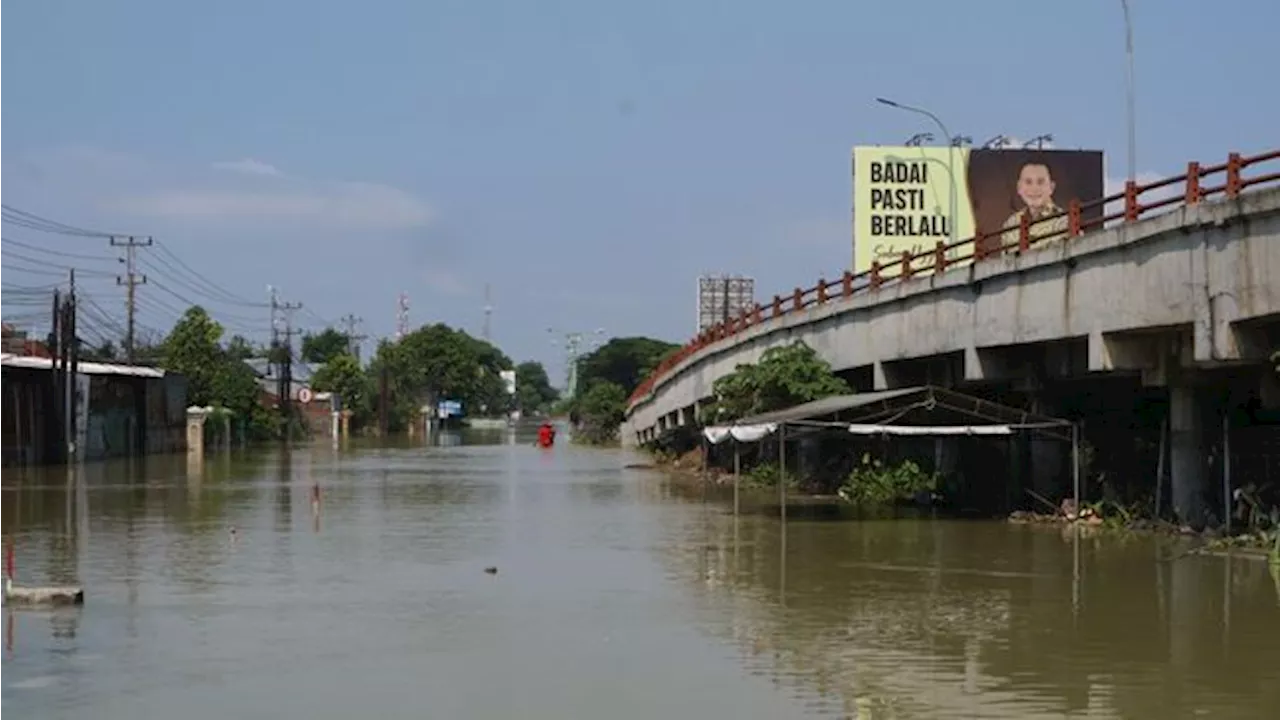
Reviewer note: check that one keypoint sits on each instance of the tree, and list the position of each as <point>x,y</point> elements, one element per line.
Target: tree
<point>192,350</point>
<point>240,348</point>
<point>622,361</point>
<point>786,375</point>
<point>533,388</point>
<point>437,362</point>
<point>106,352</point>
<point>344,376</point>
<point>215,376</point>
<point>601,410</point>
<point>322,347</point>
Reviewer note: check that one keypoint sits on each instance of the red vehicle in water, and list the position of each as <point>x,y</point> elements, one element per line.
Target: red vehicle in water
<point>546,435</point>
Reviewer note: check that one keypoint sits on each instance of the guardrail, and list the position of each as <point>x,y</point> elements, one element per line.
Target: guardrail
<point>1015,239</point>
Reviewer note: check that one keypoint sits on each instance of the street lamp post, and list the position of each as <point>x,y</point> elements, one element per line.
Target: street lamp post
<point>1128,51</point>
<point>951,149</point>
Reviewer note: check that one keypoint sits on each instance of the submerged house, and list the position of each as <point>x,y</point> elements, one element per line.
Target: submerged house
<point>314,409</point>
<point>118,411</point>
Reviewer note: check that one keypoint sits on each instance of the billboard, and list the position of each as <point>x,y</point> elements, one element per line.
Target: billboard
<point>909,198</point>
<point>721,298</point>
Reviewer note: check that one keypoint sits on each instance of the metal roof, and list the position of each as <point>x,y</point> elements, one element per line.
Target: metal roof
<point>828,406</point>
<point>85,368</point>
<point>875,407</point>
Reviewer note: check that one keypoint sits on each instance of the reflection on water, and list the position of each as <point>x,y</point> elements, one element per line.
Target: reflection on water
<point>320,582</point>
<point>976,619</point>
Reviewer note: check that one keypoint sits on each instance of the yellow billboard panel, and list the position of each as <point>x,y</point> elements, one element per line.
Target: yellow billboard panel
<point>908,198</point>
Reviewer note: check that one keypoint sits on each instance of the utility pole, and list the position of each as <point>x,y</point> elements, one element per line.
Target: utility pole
<point>349,325</point>
<point>282,316</point>
<point>131,281</point>
<point>70,364</point>
<point>53,424</point>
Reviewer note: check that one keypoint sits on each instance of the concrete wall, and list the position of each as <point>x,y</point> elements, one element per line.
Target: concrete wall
<point>1176,290</point>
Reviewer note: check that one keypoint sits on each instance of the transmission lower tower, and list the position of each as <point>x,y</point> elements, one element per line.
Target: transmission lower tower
<point>402,316</point>
<point>576,344</point>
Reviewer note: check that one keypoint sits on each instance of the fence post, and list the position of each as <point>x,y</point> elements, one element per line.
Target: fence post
<point>1131,209</point>
<point>1234,184</point>
<point>822,290</point>
<point>755,313</point>
<point>847,288</point>
<point>1193,183</point>
<point>979,246</point>
<point>940,257</point>
<point>797,299</point>
<point>906,264</point>
<point>1024,233</point>
<point>874,281</point>
<point>1073,218</point>
<point>777,305</point>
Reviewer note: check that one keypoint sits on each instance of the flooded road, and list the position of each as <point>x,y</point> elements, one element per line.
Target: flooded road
<point>615,596</point>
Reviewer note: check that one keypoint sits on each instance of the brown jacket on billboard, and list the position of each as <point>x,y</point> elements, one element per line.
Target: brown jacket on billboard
<point>1055,228</point>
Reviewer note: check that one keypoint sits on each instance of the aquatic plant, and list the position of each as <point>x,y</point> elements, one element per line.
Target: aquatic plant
<point>872,482</point>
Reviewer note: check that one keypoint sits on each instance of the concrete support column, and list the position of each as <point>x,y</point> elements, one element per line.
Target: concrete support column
<point>1050,460</point>
<point>884,376</point>
<point>682,417</point>
<point>1186,455</point>
<point>345,427</point>
<point>195,430</point>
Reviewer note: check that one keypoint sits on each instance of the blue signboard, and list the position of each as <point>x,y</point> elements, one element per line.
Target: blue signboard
<point>449,408</point>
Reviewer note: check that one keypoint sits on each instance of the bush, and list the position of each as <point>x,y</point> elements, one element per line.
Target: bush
<point>873,483</point>
<point>766,475</point>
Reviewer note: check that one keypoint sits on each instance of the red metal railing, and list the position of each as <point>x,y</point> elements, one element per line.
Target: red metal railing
<point>1014,239</point>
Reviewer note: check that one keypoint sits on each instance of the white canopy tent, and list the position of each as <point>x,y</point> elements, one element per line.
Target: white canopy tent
<point>878,413</point>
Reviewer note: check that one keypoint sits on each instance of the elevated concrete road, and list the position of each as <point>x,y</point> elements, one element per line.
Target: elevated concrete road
<point>1196,287</point>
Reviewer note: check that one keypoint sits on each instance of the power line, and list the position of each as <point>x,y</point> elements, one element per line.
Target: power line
<point>131,281</point>
<point>349,324</point>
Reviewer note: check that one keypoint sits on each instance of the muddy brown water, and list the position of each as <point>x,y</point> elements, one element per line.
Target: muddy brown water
<point>617,596</point>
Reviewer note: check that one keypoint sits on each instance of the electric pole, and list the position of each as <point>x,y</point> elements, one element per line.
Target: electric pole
<point>282,317</point>
<point>131,281</point>
<point>349,325</point>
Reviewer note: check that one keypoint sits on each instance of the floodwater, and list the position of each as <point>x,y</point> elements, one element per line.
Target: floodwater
<point>616,596</point>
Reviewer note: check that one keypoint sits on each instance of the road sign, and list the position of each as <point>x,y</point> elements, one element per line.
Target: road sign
<point>304,395</point>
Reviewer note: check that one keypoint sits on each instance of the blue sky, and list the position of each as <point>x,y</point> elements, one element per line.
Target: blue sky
<point>586,159</point>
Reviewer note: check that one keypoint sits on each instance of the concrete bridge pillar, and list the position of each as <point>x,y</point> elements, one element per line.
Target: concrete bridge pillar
<point>1049,459</point>
<point>1186,454</point>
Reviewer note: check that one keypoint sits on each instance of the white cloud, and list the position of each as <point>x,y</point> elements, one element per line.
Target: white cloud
<point>360,205</point>
<point>237,192</point>
<point>248,166</point>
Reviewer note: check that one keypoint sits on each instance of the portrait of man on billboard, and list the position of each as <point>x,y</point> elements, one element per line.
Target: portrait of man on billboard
<point>1035,187</point>
<point>1006,185</point>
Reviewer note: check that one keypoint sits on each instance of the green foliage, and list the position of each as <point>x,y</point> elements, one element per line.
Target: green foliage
<point>106,352</point>
<point>322,347</point>
<point>623,362</point>
<point>240,348</point>
<point>601,410</point>
<point>873,483</point>
<point>192,350</point>
<point>344,376</point>
<point>215,377</point>
<point>533,388</point>
<point>786,375</point>
<point>437,362</point>
<point>767,475</point>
